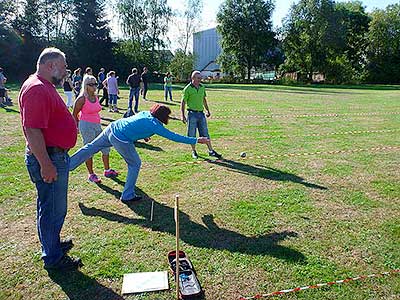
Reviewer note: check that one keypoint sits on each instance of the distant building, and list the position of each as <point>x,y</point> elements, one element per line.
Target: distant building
<point>207,48</point>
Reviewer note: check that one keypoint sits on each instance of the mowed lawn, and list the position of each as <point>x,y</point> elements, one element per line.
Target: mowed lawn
<point>316,199</point>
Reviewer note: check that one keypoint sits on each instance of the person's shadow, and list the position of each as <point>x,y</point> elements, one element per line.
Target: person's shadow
<point>209,235</point>
<point>263,172</point>
<point>148,146</point>
<point>77,285</point>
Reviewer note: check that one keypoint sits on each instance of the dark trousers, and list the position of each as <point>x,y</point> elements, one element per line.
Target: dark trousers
<point>104,97</point>
<point>145,88</point>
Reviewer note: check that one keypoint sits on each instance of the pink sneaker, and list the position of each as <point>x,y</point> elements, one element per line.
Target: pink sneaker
<point>110,173</point>
<point>94,178</point>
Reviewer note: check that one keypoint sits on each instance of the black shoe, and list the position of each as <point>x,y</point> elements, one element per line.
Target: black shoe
<point>214,153</point>
<point>134,199</point>
<point>195,155</point>
<point>65,263</point>
<point>66,245</point>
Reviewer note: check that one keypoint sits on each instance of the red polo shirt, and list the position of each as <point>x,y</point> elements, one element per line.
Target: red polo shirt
<point>42,107</point>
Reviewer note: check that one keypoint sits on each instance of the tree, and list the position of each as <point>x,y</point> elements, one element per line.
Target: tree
<point>182,65</point>
<point>188,22</point>
<point>92,41</point>
<point>311,36</point>
<point>131,16</point>
<point>246,31</point>
<point>355,23</point>
<point>384,45</point>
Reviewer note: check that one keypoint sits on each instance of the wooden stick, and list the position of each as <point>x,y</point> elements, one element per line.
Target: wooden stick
<point>177,244</point>
<point>152,211</point>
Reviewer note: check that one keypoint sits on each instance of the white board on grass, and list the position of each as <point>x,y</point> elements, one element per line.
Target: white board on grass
<point>145,282</point>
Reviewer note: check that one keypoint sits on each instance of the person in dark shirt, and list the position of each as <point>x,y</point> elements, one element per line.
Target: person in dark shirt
<point>134,81</point>
<point>100,78</point>
<point>145,80</point>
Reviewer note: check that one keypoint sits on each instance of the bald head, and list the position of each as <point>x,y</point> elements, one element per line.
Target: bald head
<point>51,65</point>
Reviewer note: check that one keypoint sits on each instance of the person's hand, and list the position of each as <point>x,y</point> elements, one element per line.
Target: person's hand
<point>208,114</point>
<point>49,173</point>
<point>183,119</point>
<point>203,140</point>
<point>147,139</point>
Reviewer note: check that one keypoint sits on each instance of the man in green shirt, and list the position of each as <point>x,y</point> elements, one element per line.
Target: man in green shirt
<point>194,96</point>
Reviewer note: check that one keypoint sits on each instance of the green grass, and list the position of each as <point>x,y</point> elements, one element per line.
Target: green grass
<point>255,225</point>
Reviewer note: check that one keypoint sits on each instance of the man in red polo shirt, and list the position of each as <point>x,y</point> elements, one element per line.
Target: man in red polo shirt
<point>50,131</point>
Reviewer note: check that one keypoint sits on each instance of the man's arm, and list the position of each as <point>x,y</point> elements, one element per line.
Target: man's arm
<point>206,107</point>
<point>183,117</point>
<point>37,145</point>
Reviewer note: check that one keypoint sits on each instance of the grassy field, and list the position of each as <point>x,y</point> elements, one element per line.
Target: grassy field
<point>316,199</point>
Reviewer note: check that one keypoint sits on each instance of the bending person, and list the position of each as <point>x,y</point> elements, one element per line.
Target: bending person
<point>122,134</point>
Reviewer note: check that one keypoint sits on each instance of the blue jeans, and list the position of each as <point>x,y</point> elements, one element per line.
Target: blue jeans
<point>134,92</point>
<point>112,99</point>
<point>51,204</point>
<point>197,120</point>
<point>168,90</point>
<point>125,149</point>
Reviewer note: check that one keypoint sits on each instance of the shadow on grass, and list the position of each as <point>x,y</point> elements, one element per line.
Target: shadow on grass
<point>167,103</point>
<point>10,110</point>
<point>263,172</point>
<point>209,235</point>
<point>148,146</point>
<point>77,285</point>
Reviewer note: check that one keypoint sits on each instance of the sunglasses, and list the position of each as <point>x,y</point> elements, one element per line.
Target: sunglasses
<point>92,84</point>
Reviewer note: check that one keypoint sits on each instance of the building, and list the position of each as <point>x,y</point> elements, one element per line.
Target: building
<point>206,48</point>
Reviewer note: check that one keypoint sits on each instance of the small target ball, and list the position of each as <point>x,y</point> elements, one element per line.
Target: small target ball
<point>242,154</point>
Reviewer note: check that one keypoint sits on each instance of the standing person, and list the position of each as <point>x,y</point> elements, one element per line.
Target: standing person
<point>77,78</point>
<point>100,78</point>
<point>88,71</point>
<point>111,83</point>
<point>3,97</point>
<point>86,114</point>
<point>122,134</point>
<point>68,88</point>
<point>133,81</point>
<point>50,131</point>
<point>168,86</point>
<point>145,82</point>
<point>194,95</point>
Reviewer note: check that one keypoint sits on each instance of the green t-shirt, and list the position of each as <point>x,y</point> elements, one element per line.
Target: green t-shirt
<point>194,97</point>
<point>167,81</point>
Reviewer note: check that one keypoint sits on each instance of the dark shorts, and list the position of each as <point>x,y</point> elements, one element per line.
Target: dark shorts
<point>2,92</point>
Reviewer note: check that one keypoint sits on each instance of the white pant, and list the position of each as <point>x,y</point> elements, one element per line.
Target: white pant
<point>70,102</point>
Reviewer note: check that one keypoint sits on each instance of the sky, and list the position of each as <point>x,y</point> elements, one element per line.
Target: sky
<point>210,10</point>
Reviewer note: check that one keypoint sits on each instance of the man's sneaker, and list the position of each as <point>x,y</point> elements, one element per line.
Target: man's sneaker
<point>94,178</point>
<point>110,173</point>
<point>65,263</point>
<point>214,153</point>
<point>136,198</point>
<point>66,245</point>
<point>195,155</point>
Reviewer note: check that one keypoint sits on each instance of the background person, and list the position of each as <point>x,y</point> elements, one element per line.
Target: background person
<point>3,95</point>
<point>145,82</point>
<point>133,81</point>
<point>86,114</point>
<point>101,77</point>
<point>168,86</point>
<point>122,134</point>
<point>47,160</point>
<point>77,77</point>
<point>68,89</point>
<point>111,83</point>
<point>194,95</point>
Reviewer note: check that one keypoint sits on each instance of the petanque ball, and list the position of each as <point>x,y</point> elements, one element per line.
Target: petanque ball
<point>243,154</point>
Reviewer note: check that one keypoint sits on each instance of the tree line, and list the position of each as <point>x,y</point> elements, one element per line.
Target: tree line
<point>337,39</point>
<point>81,28</point>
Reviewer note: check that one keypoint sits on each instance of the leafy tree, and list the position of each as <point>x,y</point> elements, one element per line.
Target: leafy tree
<point>92,41</point>
<point>131,14</point>
<point>182,65</point>
<point>311,36</point>
<point>355,23</point>
<point>189,21</point>
<point>246,32</point>
<point>384,45</point>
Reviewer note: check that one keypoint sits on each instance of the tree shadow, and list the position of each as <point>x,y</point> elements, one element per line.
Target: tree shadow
<point>173,103</point>
<point>209,235</point>
<point>77,285</point>
<point>10,110</point>
<point>263,172</point>
<point>148,146</point>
